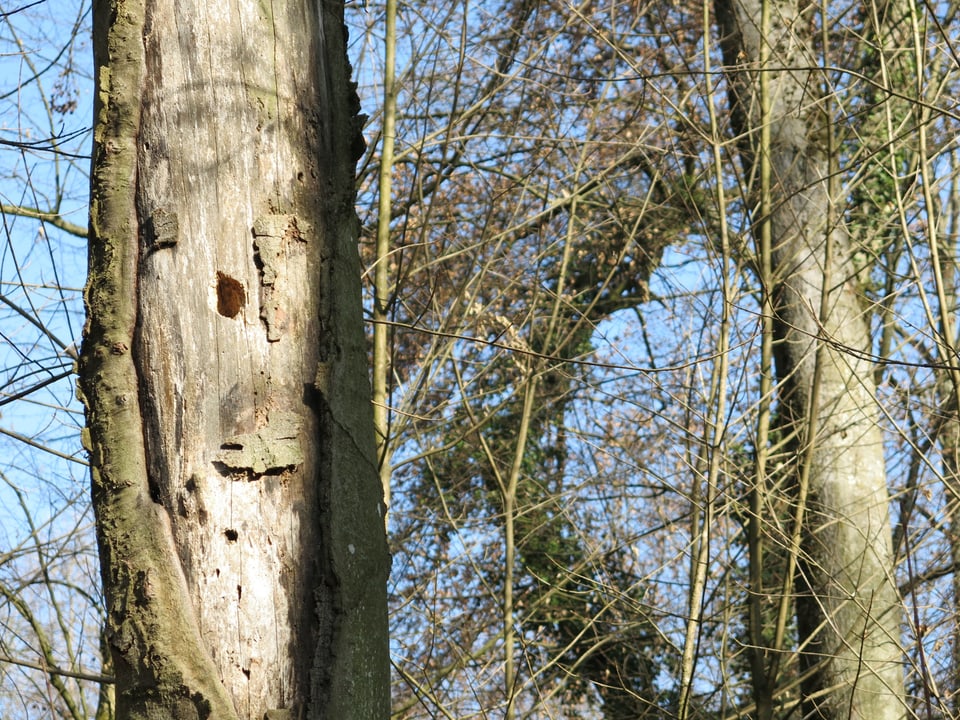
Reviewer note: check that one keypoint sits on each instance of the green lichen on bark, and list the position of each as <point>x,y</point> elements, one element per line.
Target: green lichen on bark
<point>163,667</point>
<point>351,674</point>
<point>272,449</point>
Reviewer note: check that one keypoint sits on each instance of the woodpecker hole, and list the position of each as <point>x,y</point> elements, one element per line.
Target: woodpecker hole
<point>230,295</point>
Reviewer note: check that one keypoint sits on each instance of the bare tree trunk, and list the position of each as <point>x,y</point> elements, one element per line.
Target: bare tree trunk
<point>847,606</point>
<point>948,434</point>
<point>239,510</point>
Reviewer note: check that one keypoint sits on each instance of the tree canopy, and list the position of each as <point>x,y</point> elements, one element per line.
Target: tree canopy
<point>601,387</point>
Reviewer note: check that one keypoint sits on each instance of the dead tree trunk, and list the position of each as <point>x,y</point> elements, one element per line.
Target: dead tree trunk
<point>239,510</point>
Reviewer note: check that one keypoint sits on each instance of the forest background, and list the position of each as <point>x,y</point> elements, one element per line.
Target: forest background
<point>607,426</point>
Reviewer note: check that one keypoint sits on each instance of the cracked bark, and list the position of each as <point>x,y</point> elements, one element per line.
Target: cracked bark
<point>229,598</point>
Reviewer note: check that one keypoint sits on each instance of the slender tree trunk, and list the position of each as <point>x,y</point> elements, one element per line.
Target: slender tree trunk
<point>381,279</point>
<point>847,605</point>
<point>948,434</point>
<point>239,512</point>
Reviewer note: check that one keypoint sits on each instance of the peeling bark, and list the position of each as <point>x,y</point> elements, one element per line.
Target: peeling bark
<point>239,508</point>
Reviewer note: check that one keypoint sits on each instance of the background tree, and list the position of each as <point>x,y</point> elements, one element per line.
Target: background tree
<point>840,546</point>
<point>614,117</point>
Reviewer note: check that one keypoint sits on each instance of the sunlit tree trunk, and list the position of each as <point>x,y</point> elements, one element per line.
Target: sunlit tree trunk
<point>239,511</point>
<point>948,390</point>
<point>949,436</point>
<point>847,605</point>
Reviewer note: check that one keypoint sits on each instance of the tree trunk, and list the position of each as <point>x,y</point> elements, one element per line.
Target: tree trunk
<point>948,434</point>
<point>847,605</point>
<point>239,511</point>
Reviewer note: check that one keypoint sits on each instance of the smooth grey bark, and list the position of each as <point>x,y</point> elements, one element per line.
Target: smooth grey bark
<point>239,510</point>
<point>947,427</point>
<point>847,606</point>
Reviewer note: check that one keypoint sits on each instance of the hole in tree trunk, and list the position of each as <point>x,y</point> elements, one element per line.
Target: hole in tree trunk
<point>230,295</point>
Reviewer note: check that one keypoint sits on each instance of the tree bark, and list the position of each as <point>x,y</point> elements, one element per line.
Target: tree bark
<point>847,606</point>
<point>239,511</point>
